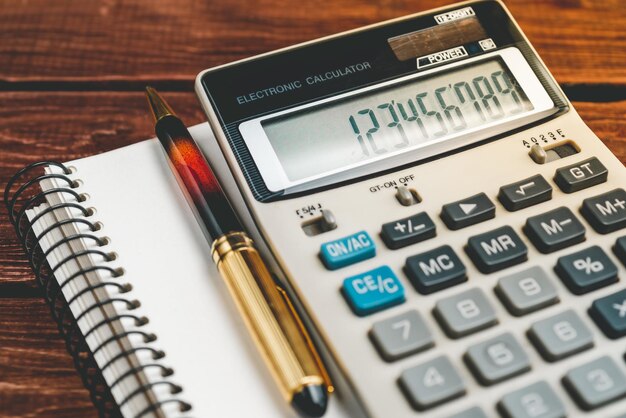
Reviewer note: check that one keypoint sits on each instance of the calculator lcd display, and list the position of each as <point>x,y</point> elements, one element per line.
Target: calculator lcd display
<point>396,119</point>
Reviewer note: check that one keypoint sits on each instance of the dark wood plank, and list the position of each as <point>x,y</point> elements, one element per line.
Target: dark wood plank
<point>138,40</point>
<point>65,126</point>
<point>37,375</point>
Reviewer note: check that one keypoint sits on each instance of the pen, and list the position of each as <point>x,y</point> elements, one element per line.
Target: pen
<point>265,307</point>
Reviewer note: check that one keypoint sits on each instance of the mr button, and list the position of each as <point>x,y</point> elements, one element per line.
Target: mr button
<point>496,250</point>
<point>373,291</point>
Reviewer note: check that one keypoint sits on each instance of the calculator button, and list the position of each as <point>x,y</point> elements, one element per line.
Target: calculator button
<point>432,383</point>
<point>560,336</point>
<point>609,313</point>
<point>535,401</point>
<point>620,249</point>
<point>496,250</point>
<point>465,313</point>
<point>474,412</point>
<point>497,359</point>
<point>526,291</point>
<point>581,175</point>
<point>347,250</point>
<point>373,291</point>
<point>401,335</point>
<point>606,212</point>
<point>407,231</point>
<point>469,211</point>
<point>554,230</point>
<point>586,270</point>
<point>435,270</point>
<point>525,193</point>
<point>596,383</point>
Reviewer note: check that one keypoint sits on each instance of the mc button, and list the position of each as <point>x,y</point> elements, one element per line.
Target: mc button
<point>373,291</point>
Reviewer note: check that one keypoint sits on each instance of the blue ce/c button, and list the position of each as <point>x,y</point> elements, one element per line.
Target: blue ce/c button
<point>347,250</point>
<point>373,291</point>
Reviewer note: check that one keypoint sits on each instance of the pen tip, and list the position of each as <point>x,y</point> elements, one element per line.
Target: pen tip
<point>311,401</point>
<point>158,106</point>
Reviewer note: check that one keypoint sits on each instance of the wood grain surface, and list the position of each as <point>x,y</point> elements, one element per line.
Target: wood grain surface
<point>71,74</point>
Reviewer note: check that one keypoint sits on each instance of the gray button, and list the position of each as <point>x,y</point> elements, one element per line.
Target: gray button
<point>586,270</point>
<point>535,401</point>
<point>474,412</point>
<point>497,359</point>
<point>435,270</point>
<point>407,231</point>
<point>401,336</point>
<point>432,383</point>
<point>497,249</point>
<point>525,193</point>
<point>465,313</point>
<point>526,291</point>
<point>469,211</point>
<point>554,230</point>
<point>607,212</point>
<point>560,336</point>
<point>581,175</point>
<point>596,383</point>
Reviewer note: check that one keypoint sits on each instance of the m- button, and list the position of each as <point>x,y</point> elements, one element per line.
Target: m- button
<point>579,176</point>
<point>496,250</point>
<point>554,230</point>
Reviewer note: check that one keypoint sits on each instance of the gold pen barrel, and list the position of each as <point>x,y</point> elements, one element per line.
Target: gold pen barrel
<point>269,315</point>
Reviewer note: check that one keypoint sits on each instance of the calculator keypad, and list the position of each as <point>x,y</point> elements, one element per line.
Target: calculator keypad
<point>551,335</point>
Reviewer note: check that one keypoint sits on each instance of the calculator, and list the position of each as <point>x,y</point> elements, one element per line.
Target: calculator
<point>453,230</point>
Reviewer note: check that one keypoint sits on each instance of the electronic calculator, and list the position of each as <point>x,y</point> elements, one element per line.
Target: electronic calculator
<point>454,231</point>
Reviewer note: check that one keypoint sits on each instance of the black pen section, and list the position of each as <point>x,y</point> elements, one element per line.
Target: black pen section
<point>196,178</point>
<point>311,401</point>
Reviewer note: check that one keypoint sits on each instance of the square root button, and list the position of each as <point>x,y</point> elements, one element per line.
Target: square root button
<point>373,291</point>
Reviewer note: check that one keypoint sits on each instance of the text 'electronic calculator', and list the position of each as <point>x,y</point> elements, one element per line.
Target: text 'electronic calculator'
<point>454,231</point>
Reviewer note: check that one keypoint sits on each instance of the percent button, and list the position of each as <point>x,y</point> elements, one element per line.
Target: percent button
<point>586,270</point>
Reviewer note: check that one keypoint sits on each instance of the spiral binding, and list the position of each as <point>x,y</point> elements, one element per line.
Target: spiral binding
<point>28,195</point>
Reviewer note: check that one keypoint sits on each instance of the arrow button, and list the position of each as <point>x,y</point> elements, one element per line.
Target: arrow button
<point>469,211</point>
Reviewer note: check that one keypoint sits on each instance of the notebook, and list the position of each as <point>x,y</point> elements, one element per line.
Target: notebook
<point>125,253</point>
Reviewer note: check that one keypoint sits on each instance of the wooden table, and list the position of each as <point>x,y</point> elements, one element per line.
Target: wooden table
<point>71,80</point>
